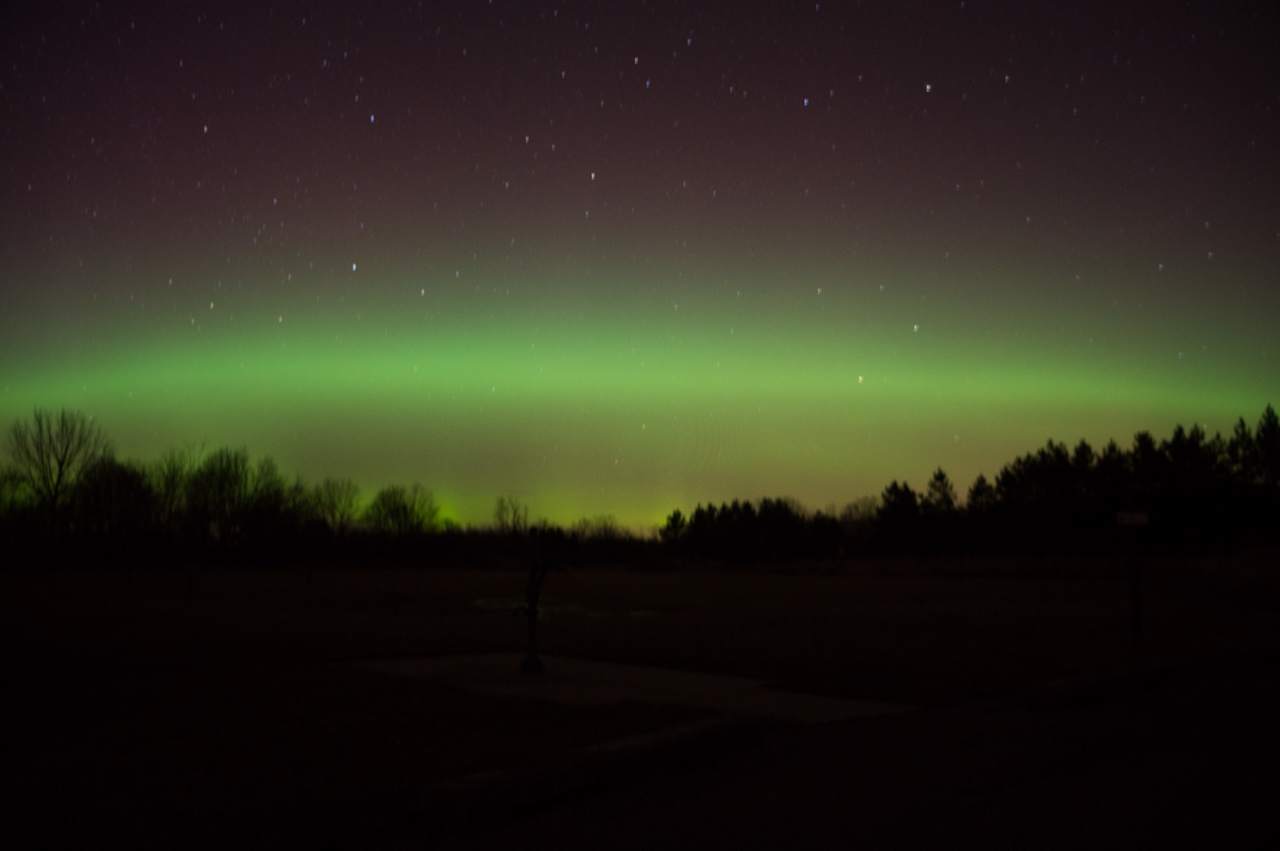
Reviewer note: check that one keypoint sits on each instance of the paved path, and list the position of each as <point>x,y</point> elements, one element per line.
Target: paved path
<point>581,681</point>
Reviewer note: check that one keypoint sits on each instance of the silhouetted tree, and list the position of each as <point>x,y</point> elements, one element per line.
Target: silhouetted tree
<point>982,496</point>
<point>1082,458</point>
<point>266,510</point>
<point>700,531</point>
<point>823,535</point>
<point>898,519</point>
<point>674,528</point>
<point>1266,440</point>
<point>783,528</point>
<point>940,495</point>
<point>1189,491</point>
<point>1192,463</point>
<point>169,478</point>
<point>1082,491</point>
<point>898,504</point>
<point>398,510</point>
<point>13,494</point>
<point>749,532</point>
<point>1111,478</point>
<point>601,527</point>
<point>218,493</point>
<point>300,505</point>
<point>858,520</point>
<point>510,516</point>
<point>1242,453</point>
<point>113,499</point>
<point>1040,483</point>
<point>51,450</point>
<point>1147,470</point>
<point>336,501</point>
<point>860,511</point>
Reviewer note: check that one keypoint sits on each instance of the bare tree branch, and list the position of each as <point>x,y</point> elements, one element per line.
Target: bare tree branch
<point>52,450</point>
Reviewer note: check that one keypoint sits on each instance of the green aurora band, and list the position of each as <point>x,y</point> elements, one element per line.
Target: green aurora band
<point>645,402</point>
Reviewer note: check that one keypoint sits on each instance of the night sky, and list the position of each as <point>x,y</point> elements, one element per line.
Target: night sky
<point>617,258</point>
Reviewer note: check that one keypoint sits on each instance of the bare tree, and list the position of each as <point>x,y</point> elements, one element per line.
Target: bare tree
<point>398,510</point>
<point>510,516</point>
<point>601,527</point>
<point>218,493</point>
<point>335,500</point>
<point>860,511</point>
<point>169,478</point>
<point>11,487</point>
<point>51,451</point>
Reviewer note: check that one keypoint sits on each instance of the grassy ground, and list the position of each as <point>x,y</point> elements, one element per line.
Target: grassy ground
<point>192,708</point>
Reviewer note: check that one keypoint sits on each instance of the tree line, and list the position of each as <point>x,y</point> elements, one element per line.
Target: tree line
<point>64,478</point>
<point>63,484</point>
<point>1189,492</point>
<point>64,489</point>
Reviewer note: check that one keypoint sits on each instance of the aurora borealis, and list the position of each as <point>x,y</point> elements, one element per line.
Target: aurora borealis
<point>617,258</point>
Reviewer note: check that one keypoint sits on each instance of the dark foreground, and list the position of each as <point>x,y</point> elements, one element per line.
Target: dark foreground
<point>239,710</point>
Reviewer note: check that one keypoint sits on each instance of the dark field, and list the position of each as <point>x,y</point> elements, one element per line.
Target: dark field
<point>234,709</point>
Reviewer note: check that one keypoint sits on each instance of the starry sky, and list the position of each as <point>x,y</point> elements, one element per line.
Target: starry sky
<point>620,257</point>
